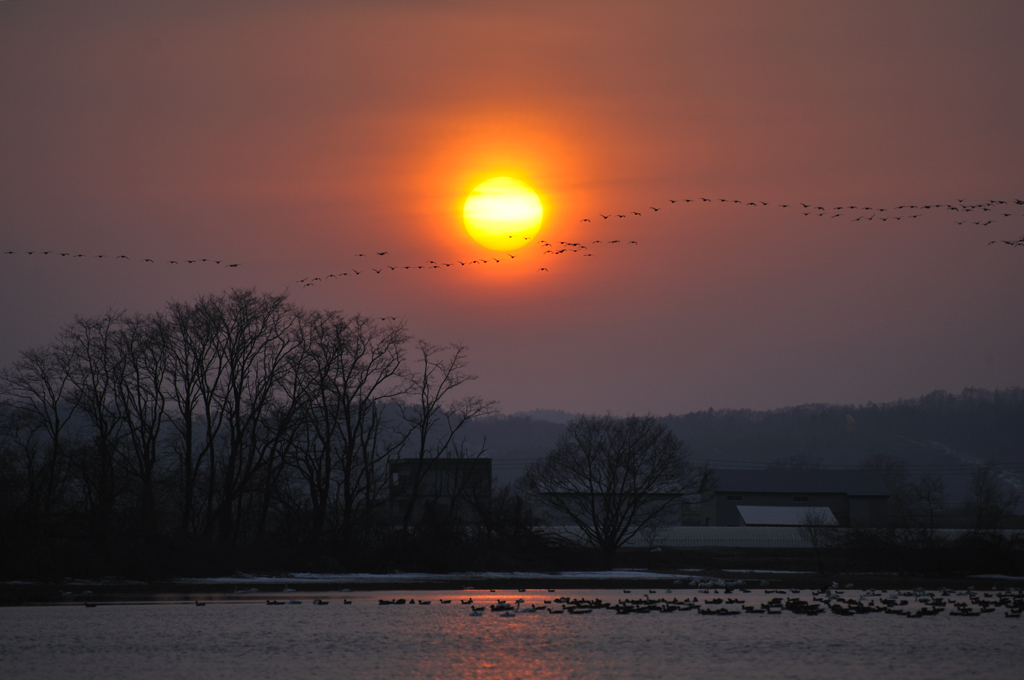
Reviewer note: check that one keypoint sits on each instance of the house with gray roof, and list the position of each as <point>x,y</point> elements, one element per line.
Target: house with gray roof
<point>787,497</point>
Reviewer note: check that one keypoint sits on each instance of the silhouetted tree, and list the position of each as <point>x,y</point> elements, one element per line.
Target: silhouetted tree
<point>990,501</point>
<point>818,529</point>
<point>434,418</point>
<point>613,477</point>
<point>347,371</point>
<point>924,503</point>
<point>234,420</point>
<point>36,393</point>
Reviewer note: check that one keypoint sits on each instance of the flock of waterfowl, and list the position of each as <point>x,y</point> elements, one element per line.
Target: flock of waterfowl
<point>996,207</point>
<point>731,601</point>
<point>971,214</point>
<point>148,260</point>
<point>988,212</point>
<point>980,214</point>
<point>911,604</point>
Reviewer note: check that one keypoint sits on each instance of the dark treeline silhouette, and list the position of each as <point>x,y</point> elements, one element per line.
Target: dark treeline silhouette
<point>243,432</point>
<point>237,430</point>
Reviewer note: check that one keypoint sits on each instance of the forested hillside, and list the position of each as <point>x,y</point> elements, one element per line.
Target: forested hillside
<point>940,433</point>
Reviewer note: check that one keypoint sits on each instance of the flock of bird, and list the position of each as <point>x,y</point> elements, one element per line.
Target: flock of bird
<point>996,209</point>
<point>995,206</point>
<point>121,257</point>
<point>981,214</point>
<point>549,248</point>
<point>914,604</point>
<point>911,604</point>
<point>971,214</point>
<point>383,268</point>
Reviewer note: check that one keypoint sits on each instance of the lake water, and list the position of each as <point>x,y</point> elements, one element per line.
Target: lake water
<point>243,638</point>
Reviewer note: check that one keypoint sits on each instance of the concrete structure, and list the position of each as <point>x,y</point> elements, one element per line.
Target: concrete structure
<point>447,489</point>
<point>854,497</point>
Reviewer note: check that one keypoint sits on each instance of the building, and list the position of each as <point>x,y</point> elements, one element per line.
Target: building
<point>784,498</point>
<point>456,489</point>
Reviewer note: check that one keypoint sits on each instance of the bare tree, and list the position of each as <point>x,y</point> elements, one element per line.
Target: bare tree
<point>990,500</point>
<point>434,418</point>
<point>37,393</point>
<point>613,478</point>
<point>195,371</point>
<point>96,368</point>
<point>925,502</point>
<point>349,369</point>
<point>820,530</point>
<point>253,345</point>
<point>140,395</point>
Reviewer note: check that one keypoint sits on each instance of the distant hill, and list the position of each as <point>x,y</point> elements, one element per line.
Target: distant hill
<point>939,433</point>
<point>547,415</point>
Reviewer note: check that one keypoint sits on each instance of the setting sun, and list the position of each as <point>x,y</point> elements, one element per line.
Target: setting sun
<point>503,213</point>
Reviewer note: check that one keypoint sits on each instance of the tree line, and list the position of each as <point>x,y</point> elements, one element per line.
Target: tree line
<point>242,431</point>
<point>229,424</point>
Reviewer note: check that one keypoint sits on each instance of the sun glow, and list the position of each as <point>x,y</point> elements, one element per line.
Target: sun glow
<point>503,213</point>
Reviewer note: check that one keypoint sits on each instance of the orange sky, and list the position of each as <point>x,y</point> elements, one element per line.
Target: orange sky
<point>289,137</point>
